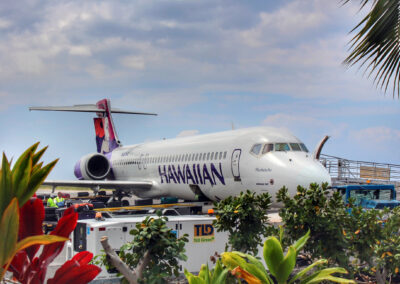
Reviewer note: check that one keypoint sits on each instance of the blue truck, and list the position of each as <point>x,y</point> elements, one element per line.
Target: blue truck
<point>370,196</point>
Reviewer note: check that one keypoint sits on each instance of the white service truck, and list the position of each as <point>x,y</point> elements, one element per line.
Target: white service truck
<point>204,240</point>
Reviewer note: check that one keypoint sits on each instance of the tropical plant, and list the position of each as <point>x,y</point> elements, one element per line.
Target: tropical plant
<point>21,225</point>
<point>324,215</point>
<point>374,241</point>
<point>376,44</point>
<point>280,266</point>
<point>155,247</point>
<point>216,276</point>
<point>245,218</point>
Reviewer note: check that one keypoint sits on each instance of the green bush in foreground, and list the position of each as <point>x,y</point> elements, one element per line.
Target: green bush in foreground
<point>245,218</point>
<point>315,210</point>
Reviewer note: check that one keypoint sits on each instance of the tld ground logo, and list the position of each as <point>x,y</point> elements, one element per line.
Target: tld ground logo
<point>203,233</point>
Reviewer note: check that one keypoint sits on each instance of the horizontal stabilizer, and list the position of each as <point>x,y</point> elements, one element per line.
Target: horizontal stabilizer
<point>87,108</point>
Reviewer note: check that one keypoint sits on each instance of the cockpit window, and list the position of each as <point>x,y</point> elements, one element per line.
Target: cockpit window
<point>256,149</point>
<point>303,147</point>
<point>295,147</point>
<point>282,147</point>
<point>268,148</point>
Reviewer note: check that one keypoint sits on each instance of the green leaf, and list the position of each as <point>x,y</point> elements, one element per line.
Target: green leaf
<point>5,185</point>
<point>299,244</point>
<point>273,255</point>
<point>38,240</point>
<point>205,273</point>
<point>36,157</point>
<point>307,269</point>
<point>255,267</point>
<point>9,225</point>
<point>36,180</point>
<point>192,279</point>
<point>325,275</point>
<point>21,174</point>
<point>219,273</point>
<point>287,265</point>
<point>231,260</point>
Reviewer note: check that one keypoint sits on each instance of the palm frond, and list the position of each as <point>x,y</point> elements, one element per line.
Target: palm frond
<point>376,46</point>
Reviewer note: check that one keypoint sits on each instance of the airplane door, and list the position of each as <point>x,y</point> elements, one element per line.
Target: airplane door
<point>235,164</point>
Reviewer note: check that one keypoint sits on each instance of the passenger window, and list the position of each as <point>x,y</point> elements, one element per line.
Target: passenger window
<point>225,155</point>
<point>303,147</point>
<point>208,156</point>
<point>295,147</point>
<point>197,156</point>
<point>212,156</point>
<point>204,156</point>
<point>282,147</point>
<point>220,155</point>
<point>256,149</point>
<point>268,148</point>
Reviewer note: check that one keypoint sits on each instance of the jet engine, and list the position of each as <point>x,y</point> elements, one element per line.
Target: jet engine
<point>93,166</point>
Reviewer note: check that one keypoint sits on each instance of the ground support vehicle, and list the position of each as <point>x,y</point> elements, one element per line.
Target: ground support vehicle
<point>370,196</point>
<point>204,241</point>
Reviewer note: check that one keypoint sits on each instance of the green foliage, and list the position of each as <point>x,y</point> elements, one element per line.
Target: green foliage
<point>25,177</point>
<point>374,241</point>
<point>165,249</point>
<point>280,266</point>
<point>324,216</point>
<point>376,43</point>
<point>217,276</point>
<point>245,218</point>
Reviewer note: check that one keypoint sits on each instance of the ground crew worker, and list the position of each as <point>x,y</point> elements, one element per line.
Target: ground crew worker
<point>59,200</point>
<point>51,202</point>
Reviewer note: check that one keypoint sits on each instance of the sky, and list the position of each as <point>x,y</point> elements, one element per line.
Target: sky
<point>203,66</point>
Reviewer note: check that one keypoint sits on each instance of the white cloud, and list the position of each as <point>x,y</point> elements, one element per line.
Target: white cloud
<point>4,24</point>
<point>186,133</point>
<point>134,62</point>
<point>80,50</point>
<point>375,136</point>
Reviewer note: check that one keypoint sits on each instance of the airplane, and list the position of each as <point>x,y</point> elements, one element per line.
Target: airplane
<point>202,167</point>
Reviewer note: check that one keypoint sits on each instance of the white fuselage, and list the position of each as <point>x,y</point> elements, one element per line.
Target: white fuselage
<point>219,165</point>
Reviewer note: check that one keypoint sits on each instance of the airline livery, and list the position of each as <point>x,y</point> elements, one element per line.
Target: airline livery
<point>211,166</point>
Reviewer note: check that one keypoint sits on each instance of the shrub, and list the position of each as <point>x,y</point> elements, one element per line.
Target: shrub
<point>315,210</point>
<point>245,218</point>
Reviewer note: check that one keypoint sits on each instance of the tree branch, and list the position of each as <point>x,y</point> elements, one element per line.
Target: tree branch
<point>118,263</point>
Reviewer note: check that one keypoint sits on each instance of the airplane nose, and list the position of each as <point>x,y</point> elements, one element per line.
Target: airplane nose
<point>314,172</point>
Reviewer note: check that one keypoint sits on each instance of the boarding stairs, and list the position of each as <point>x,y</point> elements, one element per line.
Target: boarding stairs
<point>344,171</point>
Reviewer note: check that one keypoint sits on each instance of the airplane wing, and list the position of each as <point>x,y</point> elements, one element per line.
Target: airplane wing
<point>103,184</point>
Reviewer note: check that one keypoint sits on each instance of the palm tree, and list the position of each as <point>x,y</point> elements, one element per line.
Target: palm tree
<point>377,43</point>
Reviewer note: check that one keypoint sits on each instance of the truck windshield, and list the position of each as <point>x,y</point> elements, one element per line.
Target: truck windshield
<point>376,194</point>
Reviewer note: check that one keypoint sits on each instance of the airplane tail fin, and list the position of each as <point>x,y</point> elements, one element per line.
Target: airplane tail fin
<point>106,136</point>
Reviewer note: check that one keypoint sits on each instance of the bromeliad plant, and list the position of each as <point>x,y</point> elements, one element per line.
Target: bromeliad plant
<point>21,218</point>
<point>280,266</point>
<point>216,276</point>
